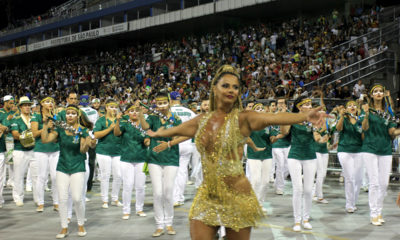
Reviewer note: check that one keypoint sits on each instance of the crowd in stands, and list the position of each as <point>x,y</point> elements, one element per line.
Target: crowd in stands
<point>275,60</point>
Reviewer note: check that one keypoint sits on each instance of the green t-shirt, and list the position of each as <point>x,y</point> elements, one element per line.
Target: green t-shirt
<point>321,147</point>
<point>377,139</point>
<point>3,119</point>
<point>132,148</point>
<point>71,160</point>
<point>39,146</point>
<point>261,140</point>
<point>168,157</point>
<point>302,144</point>
<point>282,142</point>
<point>350,137</point>
<point>17,124</point>
<point>110,144</point>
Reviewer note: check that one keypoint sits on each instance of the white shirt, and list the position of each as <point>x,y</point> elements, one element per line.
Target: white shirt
<point>91,113</point>
<point>185,114</point>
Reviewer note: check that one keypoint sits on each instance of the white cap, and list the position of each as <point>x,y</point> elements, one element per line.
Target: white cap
<point>8,98</point>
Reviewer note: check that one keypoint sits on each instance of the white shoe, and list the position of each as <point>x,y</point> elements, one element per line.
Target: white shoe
<point>375,221</point>
<point>19,204</point>
<point>105,205</point>
<point>87,200</point>
<point>271,180</point>
<point>126,216</point>
<point>341,179</point>
<point>315,199</point>
<point>158,232</point>
<point>141,214</point>
<point>350,210</point>
<point>190,183</point>
<point>28,188</point>
<point>322,200</point>
<point>1,205</point>
<point>116,203</point>
<point>47,189</point>
<point>279,192</point>
<point>380,218</point>
<point>307,225</point>
<point>81,231</point>
<point>264,210</point>
<point>62,234</point>
<point>178,203</point>
<point>297,227</point>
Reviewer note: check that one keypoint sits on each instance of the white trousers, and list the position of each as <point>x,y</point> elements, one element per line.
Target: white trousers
<point>2,175</point>
<point>132,175</point>
<point>279,156</point>
<point>197,172</point>
<point>259,176</point>
<point>106,165</point>
<point>302,192</point>
<point>163,179</point>
<point>23,160</point>
<point>322,166</point>
<point>47,161</point>
<point>9,167</point>
<point>73,183</point>
<point>185,152</point>
<point>83,190</point>
<point>378,169</point>
<point>352,165</point>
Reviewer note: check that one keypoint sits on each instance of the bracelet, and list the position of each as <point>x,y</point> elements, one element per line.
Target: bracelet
<point>169,144</point>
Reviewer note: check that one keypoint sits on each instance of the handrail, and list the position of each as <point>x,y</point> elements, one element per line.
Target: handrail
<point>378,58</point>
<point>350,42</point>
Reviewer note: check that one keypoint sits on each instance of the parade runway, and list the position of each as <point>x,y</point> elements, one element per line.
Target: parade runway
<point>329,221</point>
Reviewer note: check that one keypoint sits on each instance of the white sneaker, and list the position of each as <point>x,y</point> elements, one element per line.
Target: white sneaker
<point>126,216</point>
<point>350,210</point>
<point>279,192</point>
<point>81,231</point>
<point>375,221</point>
<point>307,225</point>
<point>105,205</point>
<point>87,200</point>
<point>179,203</point>
<point>19,204</point>
<point>380,218</point>
<point>341,179</point>
<point>141,214</point>
<point>322,200</point>
<point>28,188</point>
<point>116,203</point>
<point>297,227</point>
<point>62,234</point>
<point>271,180</point>
<point>190,183</point>
<point>47,189</point>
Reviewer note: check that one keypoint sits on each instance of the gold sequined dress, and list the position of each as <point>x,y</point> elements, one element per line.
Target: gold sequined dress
<point>225,197</point>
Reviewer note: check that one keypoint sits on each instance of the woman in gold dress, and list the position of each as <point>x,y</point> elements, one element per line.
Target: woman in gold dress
<point>225,197</point>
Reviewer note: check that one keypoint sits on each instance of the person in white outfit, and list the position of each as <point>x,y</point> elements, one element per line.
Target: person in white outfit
<point>350,143</point>
<point>46,154</point>
<point>108,153</point>
<point>186,150</point>
<point>133,155</point>
<point>71,165</point>
<point>23,152</point>
<point>377,148</point>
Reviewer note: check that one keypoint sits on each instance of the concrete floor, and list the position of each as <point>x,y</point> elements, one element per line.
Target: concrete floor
<point>329,220</point>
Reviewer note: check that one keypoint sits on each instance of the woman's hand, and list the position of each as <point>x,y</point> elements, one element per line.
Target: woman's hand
<point>316,117</point>
<point>152,134</point>
<point>146,142</point>
<point>365,107</point>
<point>161,147</point>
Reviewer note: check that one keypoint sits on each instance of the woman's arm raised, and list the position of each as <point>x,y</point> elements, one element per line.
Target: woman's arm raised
<point>186,129</point>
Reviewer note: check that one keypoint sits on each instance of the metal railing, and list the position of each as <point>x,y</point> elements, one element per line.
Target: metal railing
<point>382,61</point>
<point>72,14</point>
<point>373,38</point>
<point>389,14</point>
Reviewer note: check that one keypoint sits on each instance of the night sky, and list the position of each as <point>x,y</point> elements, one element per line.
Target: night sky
<point>21,9</point>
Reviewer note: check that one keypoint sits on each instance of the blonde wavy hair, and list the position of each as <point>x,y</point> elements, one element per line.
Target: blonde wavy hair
<point>222,71</point>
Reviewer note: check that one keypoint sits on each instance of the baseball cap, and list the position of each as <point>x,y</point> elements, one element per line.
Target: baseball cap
<point>175,95</point>
<point>8,98</point>
<point>95,100</point>
<point>84,100</point>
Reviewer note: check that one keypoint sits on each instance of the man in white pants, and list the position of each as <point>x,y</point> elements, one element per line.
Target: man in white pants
<point>23,155</point>
<point>280,151</point>
<point>6,114</point>
<point>186,150</point>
